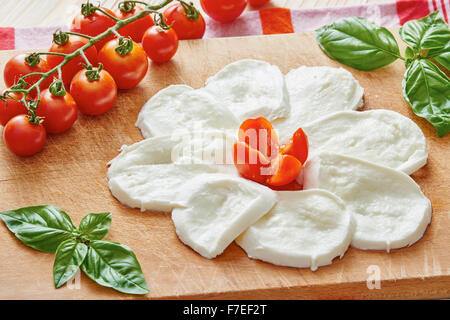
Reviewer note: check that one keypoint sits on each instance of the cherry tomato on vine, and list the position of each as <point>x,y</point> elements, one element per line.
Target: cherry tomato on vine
<point>24,64</point>
<point>159,44</point>
<point>258,3</point>
<point>10,108</point>
<point>186,20</point>
<point>22,137</point>
<point>93,22</point>
<point>96,94</point>
<point>125,60</point>
<point>223,10</point>
<point>136,29</point>
<point>59,113</point>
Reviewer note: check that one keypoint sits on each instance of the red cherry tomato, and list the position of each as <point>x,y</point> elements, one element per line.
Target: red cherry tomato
<point>250,163</point>
<point>223,10</point>
<point>22,137</point>
<point>287,170</point>
<point>258,3</point>
<point>59,113</point>
<point>189,25</point>
<point>259,134</point>
<point>160,45</point>
<point>136,29</point>
<point>93,25</point>
<point>74,65</point>
<point>10,108</point>
<point>127,70</point>
<point>17,66</point>
<point>93,97</point>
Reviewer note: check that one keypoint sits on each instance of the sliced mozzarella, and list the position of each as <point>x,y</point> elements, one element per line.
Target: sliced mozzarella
<point>304,229</point>
<point>179,108</point>
<point>250,89</point>
<point>390,209</point>
<point>217,209</point>
<point>149,174</point>
<point>315,92</point>
<point>381,136</point>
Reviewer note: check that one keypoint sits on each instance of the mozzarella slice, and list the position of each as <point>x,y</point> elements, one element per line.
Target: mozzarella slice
<point>304,229</point>
<point>250,89</point>
<point>381,136</point>
<point>389,208</point>
<point>179,108</point>
<point>149,174</point>
<point>315,92</point>
<point>217,209</point>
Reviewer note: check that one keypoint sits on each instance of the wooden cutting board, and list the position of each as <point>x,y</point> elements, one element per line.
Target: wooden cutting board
<point>70,173</point>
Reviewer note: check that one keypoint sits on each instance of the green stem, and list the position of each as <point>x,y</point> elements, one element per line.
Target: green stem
<point>78,34</point>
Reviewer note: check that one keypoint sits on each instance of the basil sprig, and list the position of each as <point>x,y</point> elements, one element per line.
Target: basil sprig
<point>49,229</point>
<point>363,45</point>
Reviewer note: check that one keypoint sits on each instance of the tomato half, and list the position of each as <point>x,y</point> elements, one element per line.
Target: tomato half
<point>259,134</point>
<point>59,113</point>
<point>186,26</point>
<point>137,28</point>
<point>127,70</point>
<point>10,108</point>
<point>223,10</point>
<point>22,137</point>
<point>159,44</point>
<point>250,163</point>
<point>287,169</point>
<point>298,146</point>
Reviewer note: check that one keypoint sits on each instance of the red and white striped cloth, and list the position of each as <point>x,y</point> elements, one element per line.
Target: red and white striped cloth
<point>265,21</point>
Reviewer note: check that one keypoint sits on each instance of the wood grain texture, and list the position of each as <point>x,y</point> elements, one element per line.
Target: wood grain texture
<point>70,173</point>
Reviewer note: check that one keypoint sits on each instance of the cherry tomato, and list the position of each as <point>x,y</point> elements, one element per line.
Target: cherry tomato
<point>59,113</point>
<point>259,134</point>
<point>136,29</point>
<point>93,25</point>
<point>23,137</point>
<point>223,10</point>
<point>17,66</point>
<point>298,146</point>
<point>189,25</point>
<point>250,163</point>
<point>287,169</point>
<point>127,70</point>
<point>258,3</point>
<point>10,108</point>
<point>93,97</point>
<point>74,65</point>
<point>160,45</point>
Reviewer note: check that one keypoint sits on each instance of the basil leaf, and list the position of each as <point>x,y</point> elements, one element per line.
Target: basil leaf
<point>427,89</point>
<point>42,227</point>
<point>95,225</point>
<point>443,59</point>
<point>69,256</point>
<point>114,265</point>
<point>358,43</point>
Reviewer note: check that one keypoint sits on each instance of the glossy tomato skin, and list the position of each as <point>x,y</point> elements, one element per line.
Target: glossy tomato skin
<point>127,70</point>
<point>93,97</point>
<point>22,137</point>
<point>17,66</point>
<point>74,65</point>
<point>160,45</point>
<point>184,27</point>
<point>93,25</point>
<point>258,3</point>
<point>223,10</point>
<point>59,113</point>
<point>136,29</point>
<point>10,108</point>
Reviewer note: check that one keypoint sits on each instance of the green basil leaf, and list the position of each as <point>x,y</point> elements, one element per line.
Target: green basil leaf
<point>95,225</point>
<point>427,89</point>
<point>69,257</point>
<point>443,59</point>
<point>42,227</point>
<point>114,265</point>
<point>358,43</point>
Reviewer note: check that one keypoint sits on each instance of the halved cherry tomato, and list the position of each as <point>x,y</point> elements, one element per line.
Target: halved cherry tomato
<point>298,146</point>
<point>251,163</point>
<point>128,69</point>
<point>159,44</point>
<point>136,29</point>
<point>258,3</point>
<point>93,24</point>
<point>73,66</point>
<point>259,134</point>
<point>187,24</point>
<point>94,97</point>
<point>23,137</point>
<point>223,10</point>
<point>59,113</point>
<point>288,168</point>
<point>11,108</point>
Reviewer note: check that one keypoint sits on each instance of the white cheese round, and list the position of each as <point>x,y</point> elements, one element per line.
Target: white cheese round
<point>304,229</point>
<point>389,208</point>
<point>217,209</point>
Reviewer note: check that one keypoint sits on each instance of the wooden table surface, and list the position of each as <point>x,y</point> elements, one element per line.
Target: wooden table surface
<point>29,13</point>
